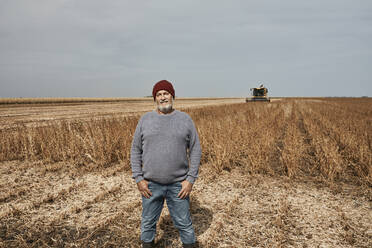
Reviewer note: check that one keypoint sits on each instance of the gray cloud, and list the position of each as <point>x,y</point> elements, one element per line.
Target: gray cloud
<point>207,48</point>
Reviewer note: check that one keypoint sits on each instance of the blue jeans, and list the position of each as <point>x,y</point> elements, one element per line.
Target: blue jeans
<point>179,210</point>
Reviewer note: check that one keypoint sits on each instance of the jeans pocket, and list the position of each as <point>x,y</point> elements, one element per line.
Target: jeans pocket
<point>178,186</point>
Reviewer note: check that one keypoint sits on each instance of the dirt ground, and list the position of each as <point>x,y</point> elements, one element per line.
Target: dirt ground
<point>63,206</point>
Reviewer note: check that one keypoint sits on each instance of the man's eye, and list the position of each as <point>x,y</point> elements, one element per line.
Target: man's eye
<point>164,94</point>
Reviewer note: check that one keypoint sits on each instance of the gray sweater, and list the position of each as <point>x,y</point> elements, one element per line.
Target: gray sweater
<point>165,148</point>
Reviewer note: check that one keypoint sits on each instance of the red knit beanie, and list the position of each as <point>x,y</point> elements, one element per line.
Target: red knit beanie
<point>163,85</point>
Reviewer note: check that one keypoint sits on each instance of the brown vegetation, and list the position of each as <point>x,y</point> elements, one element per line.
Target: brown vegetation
<point>42,112</point>
<point>47,100</point>
<point>286,138</point>
<point>288,173</point>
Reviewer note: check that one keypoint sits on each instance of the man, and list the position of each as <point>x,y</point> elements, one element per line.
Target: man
<point>165,158</point>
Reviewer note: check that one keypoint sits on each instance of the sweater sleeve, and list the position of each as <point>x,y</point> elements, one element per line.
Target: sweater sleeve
<point>136,154</point>
<point>194,154</point>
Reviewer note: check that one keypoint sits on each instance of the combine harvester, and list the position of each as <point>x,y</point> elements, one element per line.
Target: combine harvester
<point>258,95</point>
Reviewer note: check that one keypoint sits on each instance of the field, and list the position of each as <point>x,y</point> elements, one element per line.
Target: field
<point>291,173</point>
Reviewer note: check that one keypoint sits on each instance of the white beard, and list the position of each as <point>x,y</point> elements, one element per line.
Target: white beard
<point>165,109</point>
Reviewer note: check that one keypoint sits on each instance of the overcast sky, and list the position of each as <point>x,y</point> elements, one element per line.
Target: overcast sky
<point>209,48</point>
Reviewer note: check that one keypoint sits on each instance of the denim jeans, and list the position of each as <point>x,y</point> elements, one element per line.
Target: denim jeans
<point>179,210</point>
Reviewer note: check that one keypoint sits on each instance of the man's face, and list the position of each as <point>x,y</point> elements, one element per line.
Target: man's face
<point>164,101</point>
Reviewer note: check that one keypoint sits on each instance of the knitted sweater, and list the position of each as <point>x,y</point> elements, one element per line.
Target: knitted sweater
<point>165,148</point>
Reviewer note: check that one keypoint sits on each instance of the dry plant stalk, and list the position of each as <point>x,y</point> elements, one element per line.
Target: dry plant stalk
<point>258,137</point>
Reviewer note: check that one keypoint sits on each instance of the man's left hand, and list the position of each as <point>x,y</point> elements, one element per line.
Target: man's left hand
<point>186,189</point>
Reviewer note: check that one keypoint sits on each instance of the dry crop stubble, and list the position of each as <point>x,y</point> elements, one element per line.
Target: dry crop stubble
<point>261,182</point>
<point>353,138</point>
<point>293,148</point>
<point>329,161</point>
<point>231,135</point>
<point>342,140</point>
<point>44,113</point>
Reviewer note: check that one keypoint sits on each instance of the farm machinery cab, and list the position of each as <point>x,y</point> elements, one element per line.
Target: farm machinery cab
<point>258,95</point>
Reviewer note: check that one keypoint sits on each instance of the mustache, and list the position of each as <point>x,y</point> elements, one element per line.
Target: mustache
<point>163,101</point>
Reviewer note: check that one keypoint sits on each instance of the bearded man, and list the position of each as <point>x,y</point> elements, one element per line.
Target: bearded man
<point>165,158</point>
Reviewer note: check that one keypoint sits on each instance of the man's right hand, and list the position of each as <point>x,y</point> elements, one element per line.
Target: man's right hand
<point>144,188</point>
